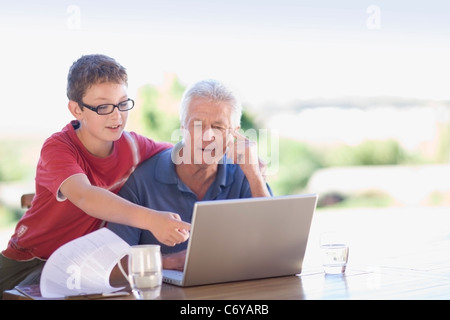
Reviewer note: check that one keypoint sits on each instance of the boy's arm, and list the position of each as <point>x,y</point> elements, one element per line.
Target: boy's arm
<point>100,203</point>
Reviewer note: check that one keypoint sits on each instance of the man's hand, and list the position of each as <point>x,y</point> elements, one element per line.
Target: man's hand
<point>174,261</point>
<point>244,152</point>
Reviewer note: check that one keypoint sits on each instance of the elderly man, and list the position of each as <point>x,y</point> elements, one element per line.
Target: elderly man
<point>213,161</point>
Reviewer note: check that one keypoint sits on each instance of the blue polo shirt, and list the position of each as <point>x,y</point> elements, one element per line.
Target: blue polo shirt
<point>155,184</point>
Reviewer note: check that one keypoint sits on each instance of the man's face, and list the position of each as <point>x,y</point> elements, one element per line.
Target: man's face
<point>207,130</point>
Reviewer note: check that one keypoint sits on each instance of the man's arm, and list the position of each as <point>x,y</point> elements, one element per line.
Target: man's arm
<point>245,153</point>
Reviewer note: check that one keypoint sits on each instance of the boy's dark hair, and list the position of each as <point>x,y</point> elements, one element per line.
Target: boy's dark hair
<point>90,70</point>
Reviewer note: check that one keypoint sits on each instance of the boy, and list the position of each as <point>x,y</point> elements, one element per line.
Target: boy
<point>80,171</point>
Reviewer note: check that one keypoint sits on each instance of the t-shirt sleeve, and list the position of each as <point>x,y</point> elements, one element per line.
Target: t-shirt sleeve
<point>149,147</point>
<point>57,162</point>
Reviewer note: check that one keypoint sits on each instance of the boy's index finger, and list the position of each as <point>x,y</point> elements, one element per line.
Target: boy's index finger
<point>185,225</point>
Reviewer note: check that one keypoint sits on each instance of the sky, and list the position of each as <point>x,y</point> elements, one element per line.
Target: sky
<point>271,52</point>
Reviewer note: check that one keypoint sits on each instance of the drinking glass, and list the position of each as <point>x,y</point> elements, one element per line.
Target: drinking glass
<point>334,249</point>
<point>144,271</point>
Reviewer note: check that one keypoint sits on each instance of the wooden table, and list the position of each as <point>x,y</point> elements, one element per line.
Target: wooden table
<point>378,284</point>
<point>397,255</point>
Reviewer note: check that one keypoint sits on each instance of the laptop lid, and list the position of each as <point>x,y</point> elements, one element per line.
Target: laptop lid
<point>243,239</point>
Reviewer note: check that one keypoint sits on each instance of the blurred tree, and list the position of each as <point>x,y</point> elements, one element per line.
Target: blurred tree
<point>18,159</point>
<point>443,143</point>
<point>297,162</point>
<point>248,121</point>
<point>159,108</point>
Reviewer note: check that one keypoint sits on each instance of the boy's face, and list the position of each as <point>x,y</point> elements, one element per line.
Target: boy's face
<point>106,128</point>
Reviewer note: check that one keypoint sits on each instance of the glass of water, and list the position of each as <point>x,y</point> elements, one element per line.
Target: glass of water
<point>334,251</point>
<point>144,271</point>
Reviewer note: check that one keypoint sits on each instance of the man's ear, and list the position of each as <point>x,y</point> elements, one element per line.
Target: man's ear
<point>75,109</point>
<point>235,129</point>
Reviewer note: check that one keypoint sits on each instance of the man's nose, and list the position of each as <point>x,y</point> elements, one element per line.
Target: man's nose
<point>209,134</point>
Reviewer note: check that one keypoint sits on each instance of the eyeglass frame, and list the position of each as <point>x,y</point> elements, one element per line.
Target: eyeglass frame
<point>95,109</point>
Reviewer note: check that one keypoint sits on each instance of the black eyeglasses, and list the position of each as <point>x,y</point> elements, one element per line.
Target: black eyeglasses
<point>109,108</point>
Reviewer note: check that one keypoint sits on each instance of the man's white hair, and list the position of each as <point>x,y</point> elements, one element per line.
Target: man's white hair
<point>214,91</point>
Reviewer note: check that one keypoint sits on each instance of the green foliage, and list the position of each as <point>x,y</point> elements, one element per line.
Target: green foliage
<point>160,111</point>
<point>177,89</point>
<point>369,152</point>
<point>14,160</point>
<point>297,162</point>
<point>158,122</point>
<point>8,216</point>
<point>443,149</point>
<point>372,200</point>
<point>248,121</point>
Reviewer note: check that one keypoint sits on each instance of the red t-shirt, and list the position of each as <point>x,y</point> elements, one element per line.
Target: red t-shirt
<point>52,220</point>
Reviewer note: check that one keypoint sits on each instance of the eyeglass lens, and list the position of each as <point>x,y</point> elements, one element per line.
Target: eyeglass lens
<point>109,108</point>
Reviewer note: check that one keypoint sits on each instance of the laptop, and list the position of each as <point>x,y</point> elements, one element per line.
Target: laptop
<point>244,239</point>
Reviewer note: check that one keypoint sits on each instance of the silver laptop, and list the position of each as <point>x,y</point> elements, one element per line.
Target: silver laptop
<point>243,239</point>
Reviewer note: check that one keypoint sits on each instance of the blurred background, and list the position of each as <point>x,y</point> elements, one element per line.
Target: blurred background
<point>349,99</point>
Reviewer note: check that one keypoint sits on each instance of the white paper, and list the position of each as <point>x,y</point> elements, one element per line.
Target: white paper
<point>83,265</point>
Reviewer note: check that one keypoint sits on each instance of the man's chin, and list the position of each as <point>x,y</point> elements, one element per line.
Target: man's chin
<point>209,157</point>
